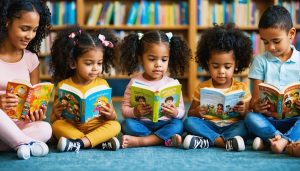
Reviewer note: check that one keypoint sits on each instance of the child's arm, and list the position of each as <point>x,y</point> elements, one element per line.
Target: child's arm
<point>8,101</point>
<point>108,113</point>
<point>35,76</point>
<point>255,103</point>
<point>197,111</point>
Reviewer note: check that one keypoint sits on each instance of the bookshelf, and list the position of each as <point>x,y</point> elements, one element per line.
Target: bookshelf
<point>189,31</point>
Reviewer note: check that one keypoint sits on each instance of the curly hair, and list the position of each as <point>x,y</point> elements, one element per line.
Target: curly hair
<point>276,17</point>
<point>11,9</point>
<point>65,50</point>
<point>132,48</point>
<point>224,38</point>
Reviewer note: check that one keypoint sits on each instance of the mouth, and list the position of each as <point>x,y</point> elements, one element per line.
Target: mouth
<point>25,42</point>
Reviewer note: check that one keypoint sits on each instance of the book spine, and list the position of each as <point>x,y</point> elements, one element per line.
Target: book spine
<point>156,108</point>
<point>82,112</point>
<point>279,107</point>
<point>26,107</point>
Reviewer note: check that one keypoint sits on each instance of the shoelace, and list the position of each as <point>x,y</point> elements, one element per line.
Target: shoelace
<point>75,145</point>
<point>229,145</point>
<point>202,143</point>
<point>106,145</point>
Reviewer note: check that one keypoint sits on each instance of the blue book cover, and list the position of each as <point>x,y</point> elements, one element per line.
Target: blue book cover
<point>133,12</point>
<point>83,107</point>
<point>157,14</point>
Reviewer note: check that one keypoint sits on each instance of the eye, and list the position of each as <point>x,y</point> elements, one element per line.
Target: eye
<point>165,59</point>
<point>277,41</point>
<point>265,42</point>
<point>24,28</point>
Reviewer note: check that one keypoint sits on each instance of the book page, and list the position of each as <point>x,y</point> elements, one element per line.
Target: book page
<point>213,101</point>
<point>291,102</point>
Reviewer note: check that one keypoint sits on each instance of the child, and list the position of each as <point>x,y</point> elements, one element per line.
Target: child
<point>157,52</point>
<point>23,25</point>
<point>222,51</point>
<point>78,58</point>
<point>278,66</point>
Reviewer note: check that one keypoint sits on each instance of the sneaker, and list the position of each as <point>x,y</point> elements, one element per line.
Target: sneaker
<point>174,141</point>
<point>293,149</point>
<point>37,149</point>
<point>193,142</point>
<point>258,144</point>
<point>236,143</point>
<point>65,145</point>
<point>112,144</point>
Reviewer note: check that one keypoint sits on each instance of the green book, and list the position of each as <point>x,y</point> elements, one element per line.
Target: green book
<point>141,93</point>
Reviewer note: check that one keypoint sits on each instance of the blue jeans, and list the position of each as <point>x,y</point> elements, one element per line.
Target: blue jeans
<point>267,127</point>
<point>163,129</point>
<point>207,129</point>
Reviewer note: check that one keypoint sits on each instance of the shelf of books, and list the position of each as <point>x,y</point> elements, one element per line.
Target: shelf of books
<point>187,18</point>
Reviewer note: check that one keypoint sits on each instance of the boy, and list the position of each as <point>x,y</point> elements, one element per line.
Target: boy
<point>278,66</point>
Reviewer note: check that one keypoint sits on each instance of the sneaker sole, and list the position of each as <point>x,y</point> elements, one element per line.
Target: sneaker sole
<point>241,143</point>
<point>61,143</point>
<point>117,143</point>
<point>24,152</point>
<point>39,149</point>
<point>186,142</point>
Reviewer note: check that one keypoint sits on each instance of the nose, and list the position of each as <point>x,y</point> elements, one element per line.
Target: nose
<point>271,46</point>
<point>222,70</point>
<point>158,63</point>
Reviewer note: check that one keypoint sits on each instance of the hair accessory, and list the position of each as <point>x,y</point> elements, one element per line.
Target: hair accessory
<point>169,35</point>
<point>105,42</point>
<point>140,35</point>
<point>72,35</point>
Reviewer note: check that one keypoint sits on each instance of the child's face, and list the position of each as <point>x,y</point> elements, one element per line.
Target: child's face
<point>221,67</point>
<point>278,41</point>
<point>89,66</point>
<point>22,30</point>
<point>155,61</point>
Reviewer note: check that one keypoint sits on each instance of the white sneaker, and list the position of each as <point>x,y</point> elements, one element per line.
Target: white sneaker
<point>65,145</point>
<point>37,149</point>
<point>258,144</point>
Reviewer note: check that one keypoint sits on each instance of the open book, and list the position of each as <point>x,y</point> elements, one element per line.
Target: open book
<point>83,107</point>
<point>141,93</point>
<point>219,105</point>
<point>31,98</point>
<point>282,102</point>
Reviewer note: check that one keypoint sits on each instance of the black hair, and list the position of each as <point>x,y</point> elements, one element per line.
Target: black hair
<point>67,49</point>
<point>169,98</point>
<point>132,48</point>
<point>224,38</point>
<point>137,98</point>
<point>276,16</point>
<point>11,9</point>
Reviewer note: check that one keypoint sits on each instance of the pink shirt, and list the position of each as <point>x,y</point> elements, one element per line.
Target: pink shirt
<point>17,70</point>
<point>127,110</point>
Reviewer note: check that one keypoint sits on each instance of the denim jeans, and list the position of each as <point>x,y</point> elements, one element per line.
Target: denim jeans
<point>267,127</point>
<point>163,129</point>
<point>207,129</point>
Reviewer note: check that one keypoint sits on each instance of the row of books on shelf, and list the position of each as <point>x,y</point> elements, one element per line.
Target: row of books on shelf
<point>140,13</point>
<point>293,7</point>
<point>62,12</point>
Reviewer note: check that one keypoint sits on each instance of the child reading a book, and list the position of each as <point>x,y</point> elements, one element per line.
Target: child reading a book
<point>278,66</point>
<point>222,51</point>
<point>23,25</point>
<point>78,64</point>
<point>157,52</point>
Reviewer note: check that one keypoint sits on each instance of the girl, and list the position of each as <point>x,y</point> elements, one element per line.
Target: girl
<point>83,57</point>
<point>157,52</point>
<point>23,25</point>
<point>222,51</point>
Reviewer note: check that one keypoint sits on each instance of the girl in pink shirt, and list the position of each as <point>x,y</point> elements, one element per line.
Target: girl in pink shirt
<point>158,53</point>
<point>24,23</point>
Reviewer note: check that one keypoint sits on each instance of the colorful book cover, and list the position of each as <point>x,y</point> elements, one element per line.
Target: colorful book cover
<point>83,107</point>
<point>141,93</point>
<point>30,97</point>
<point>283,103</point>
<point>220,105</point>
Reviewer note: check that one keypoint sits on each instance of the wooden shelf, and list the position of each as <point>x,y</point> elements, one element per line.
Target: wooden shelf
<point>136,27</point>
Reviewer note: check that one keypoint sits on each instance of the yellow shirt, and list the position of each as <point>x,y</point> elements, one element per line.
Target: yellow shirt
<point>83,88</point>
<point>234,86</point>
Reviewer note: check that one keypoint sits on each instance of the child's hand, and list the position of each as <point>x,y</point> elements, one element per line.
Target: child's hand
<point>37,115</point>
<point>58,108</point>
<point>169,111</point>
<point>201,111</point>
<point>8,101</point>
<point>262,107</point>
<point>107,112</point>
<point>240,108</point>
<point>141,110</point>
<point>297,104</point>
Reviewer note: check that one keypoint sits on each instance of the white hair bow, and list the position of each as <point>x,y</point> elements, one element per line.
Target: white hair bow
<point>169,35</point>
<point>140,35</point>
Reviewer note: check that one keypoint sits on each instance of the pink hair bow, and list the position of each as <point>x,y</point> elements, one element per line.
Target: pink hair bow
<point>105,42</point>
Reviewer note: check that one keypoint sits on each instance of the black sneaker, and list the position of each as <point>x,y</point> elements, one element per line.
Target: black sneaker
<point>112,144</point>
<point>193,142</point>
<point>236,143</point>
<point>65,145</point>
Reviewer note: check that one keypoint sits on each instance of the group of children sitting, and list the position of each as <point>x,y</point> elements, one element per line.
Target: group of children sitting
<point>79,57</point>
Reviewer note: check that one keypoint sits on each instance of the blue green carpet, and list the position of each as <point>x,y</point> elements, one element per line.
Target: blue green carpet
<point>152,158</point>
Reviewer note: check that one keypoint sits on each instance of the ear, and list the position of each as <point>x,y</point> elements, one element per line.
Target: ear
<point>72,65</point>
<point>292,33</point>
